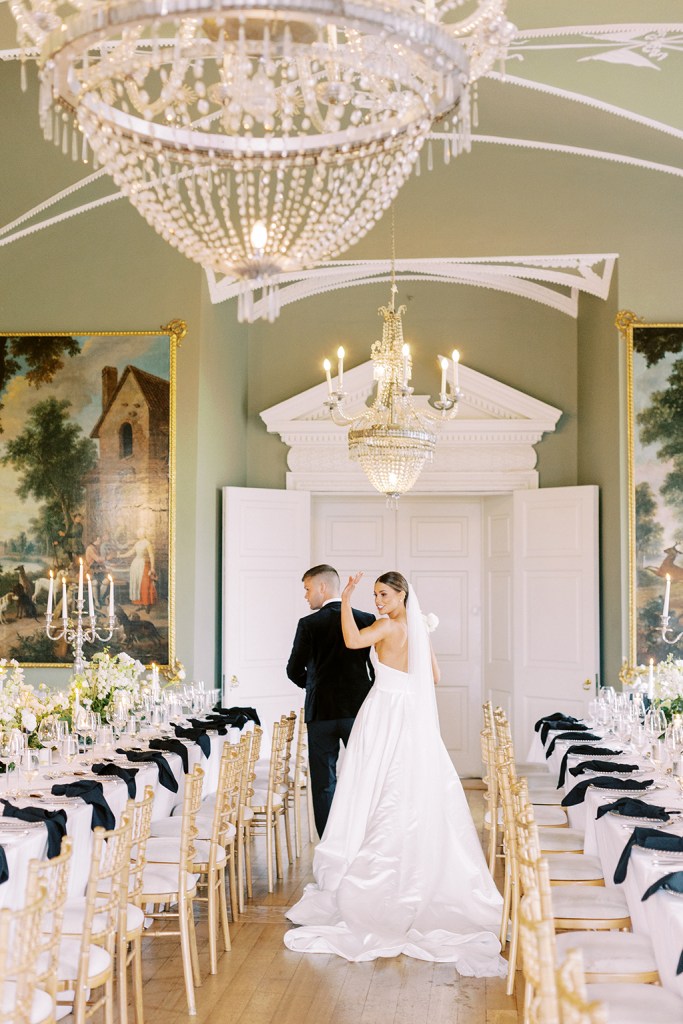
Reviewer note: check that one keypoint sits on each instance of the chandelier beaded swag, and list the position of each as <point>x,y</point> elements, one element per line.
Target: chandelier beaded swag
<point>259,138</point>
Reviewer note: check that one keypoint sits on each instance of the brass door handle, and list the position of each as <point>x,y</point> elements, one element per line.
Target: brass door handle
<point>588,684</point>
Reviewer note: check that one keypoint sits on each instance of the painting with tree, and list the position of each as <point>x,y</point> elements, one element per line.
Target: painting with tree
<point>87,447</point>
<point>655,424</point>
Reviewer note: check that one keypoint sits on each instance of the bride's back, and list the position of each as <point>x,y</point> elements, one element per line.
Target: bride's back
<point>392,650</point>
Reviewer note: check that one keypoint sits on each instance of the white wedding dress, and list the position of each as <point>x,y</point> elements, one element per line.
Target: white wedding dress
<point>400,868</point>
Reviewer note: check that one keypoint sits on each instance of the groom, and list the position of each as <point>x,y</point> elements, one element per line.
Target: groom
<point>336,679</point>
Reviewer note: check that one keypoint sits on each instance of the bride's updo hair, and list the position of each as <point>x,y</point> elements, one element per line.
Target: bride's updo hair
<point>396,582</point>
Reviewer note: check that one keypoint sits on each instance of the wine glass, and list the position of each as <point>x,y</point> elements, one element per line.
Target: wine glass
<point>48,736</point>
<point>69,747</point>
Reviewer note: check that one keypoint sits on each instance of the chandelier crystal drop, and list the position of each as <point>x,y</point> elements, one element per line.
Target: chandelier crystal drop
<point>259,138</point>
<point>393,439</point>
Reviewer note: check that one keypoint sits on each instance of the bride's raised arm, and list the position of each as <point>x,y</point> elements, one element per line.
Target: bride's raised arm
<point>354,637</point>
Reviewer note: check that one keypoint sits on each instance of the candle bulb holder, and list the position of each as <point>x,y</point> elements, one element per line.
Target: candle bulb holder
<point>665,630</point>
<point>76,634</point>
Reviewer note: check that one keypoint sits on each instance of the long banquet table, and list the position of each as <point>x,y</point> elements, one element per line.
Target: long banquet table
<point>24,841</point>
<point>661,915</point>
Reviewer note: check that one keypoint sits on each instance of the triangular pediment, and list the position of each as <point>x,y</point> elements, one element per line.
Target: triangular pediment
<point>487,448</point>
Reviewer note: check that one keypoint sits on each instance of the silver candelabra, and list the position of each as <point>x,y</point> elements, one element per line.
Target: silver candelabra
<point>74,632</point>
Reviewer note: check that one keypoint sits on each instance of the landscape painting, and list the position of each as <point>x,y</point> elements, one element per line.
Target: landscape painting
<point>656,486</point>
<point>86,472</point>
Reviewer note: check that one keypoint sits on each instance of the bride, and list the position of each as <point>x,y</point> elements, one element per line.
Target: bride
<point>399,868</point>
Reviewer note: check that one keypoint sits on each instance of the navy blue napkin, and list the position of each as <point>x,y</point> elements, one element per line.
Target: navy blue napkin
<point>54,821</point>
<point>117,770</point>
<point>249,713</point>
<point>602,766</point>
<point>581,748</point>
<point>569,736</point>
<point>563,725</point>
<point>198,735</point>
<point>578,794</point>
<point>166,776</point>
<point>4,867</point>
<point>92,793</point>
<point>215,726</point>
<point>237,719</point>
<point>174,747</point>
<point>648,839</point>
<point>631,807</point>
<point>673,882</point>
<point>557,716</point>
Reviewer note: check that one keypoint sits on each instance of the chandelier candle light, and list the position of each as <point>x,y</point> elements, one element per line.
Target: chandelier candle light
<point>76,634</point>
<point>392,439</point>
<point>259,136</point>
<point>665,615</point>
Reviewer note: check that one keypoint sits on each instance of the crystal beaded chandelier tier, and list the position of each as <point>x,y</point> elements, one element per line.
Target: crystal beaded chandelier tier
<point>392,439</point>
<point>258,137</point>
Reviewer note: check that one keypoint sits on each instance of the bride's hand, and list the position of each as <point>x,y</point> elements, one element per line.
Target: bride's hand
<point>351,585</point>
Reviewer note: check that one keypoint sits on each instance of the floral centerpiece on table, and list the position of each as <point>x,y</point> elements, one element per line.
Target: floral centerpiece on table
<point>667,684</point>
<point>105,676</point>
<point>22,706</point>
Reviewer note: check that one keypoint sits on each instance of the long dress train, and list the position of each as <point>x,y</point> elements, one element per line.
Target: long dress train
<point>400,868</point>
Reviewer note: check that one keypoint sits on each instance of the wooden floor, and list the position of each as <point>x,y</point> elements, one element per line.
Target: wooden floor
<point>260,981</point>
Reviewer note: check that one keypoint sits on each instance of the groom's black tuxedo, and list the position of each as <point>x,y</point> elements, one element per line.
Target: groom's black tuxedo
<point>337,681</point>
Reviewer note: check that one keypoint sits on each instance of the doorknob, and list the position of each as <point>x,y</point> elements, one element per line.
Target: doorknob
<point>587,684</point>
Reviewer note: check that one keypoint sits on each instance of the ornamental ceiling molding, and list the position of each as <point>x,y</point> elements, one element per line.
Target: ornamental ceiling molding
<point>554,281</point>
<point>487,449</point>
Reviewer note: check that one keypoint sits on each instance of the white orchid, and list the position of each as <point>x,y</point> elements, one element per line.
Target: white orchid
<point>431,621</point>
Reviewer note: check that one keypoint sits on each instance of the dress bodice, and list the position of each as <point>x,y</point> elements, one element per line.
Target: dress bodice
<point>392,680</point>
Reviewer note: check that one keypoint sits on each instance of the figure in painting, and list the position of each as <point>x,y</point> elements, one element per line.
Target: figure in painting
<point>142,576</point>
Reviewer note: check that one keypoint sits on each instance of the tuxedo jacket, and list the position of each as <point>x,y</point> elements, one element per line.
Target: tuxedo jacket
<point>336,679</point>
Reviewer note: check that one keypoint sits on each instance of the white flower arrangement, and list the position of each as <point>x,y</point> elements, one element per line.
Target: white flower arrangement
<point>105,675</point>
<point>431,621</point>
<point>21,706</point>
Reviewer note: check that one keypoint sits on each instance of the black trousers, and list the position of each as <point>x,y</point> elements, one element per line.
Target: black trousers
<point>323,751</point>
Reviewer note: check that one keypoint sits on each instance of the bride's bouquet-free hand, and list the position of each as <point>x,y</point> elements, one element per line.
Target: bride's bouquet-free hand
<point>431,621</point>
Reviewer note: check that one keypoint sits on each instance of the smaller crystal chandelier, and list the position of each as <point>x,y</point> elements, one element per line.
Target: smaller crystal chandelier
<point>392,439</point>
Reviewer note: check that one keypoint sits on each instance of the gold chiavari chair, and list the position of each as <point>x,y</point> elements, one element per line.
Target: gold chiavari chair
<point>52,876</point>
<point>543,791</point>
<point>300,786</point>
<point>251,754</point>
<point>131,918</point>
<point>268,806</point>
<point>572,995</point>
<point>289,721</point>
<point>87,951</point>
<point>21,946</point>
<point>169,885</point>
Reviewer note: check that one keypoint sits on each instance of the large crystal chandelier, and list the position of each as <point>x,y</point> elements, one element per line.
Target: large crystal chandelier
<point>259,137</point>
<point>392,439</point>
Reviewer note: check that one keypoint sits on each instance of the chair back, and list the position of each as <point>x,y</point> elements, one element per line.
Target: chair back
<point>20,950</point>
<point>192,801</point>
<point>537,939</point>
<point>572,994</point>
<point>251,753</point>
<point>140,813</point>
<point>300,756</point>
<point>53,877</point>
<point>226,809</point>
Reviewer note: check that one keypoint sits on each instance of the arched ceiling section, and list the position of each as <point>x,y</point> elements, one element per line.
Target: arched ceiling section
<point>600,81</point>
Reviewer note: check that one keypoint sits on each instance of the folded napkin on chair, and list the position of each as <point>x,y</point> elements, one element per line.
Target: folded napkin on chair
<point>564,725</point>
<point>174,747</point>
<point>166,776</point>
<point>602,766</point>
<point>557,716</point>
<point>631,807</point>
<point>198,735</point>
<point>92,793</point>
<point>581,748</point>
<point>569,736</point>
<point>578,794</point>
<point>118,771</point>
<point>54,821</point>
<point>249,713</point>
<point>648,839</point>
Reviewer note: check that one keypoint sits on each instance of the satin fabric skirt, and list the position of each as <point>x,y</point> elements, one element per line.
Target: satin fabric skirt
<point>400,868</point>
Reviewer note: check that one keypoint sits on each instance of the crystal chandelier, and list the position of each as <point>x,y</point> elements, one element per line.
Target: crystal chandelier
<point>392,439</point>
<point>259,137</point>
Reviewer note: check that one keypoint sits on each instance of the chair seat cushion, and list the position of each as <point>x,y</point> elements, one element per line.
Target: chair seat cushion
<point>41,1009</point>
<point>609,952</point>
<point>554,840</point>
<point>74,913</point>
<point>163,878</point>
<point>260,799</point>
<point>166,850</point>
<point>171,827</point>
<point>573,867</point>
<point>487,816</point>
<point>635,1004</point>
<point>550,816</point>
<point>588,902</point>
<point>545,795</point>
<point>69,956</point>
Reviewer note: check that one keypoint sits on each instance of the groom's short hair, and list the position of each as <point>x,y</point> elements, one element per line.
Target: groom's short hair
<point>327,571</point>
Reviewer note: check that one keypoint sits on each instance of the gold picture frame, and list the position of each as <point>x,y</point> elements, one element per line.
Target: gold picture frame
<point>87,470</point>
<point>654,384</point>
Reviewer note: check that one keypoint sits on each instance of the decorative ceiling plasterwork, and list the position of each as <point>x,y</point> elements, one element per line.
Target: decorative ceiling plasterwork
<point>560,62</point>
<point>488,449</point>
<point>554,281</point>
